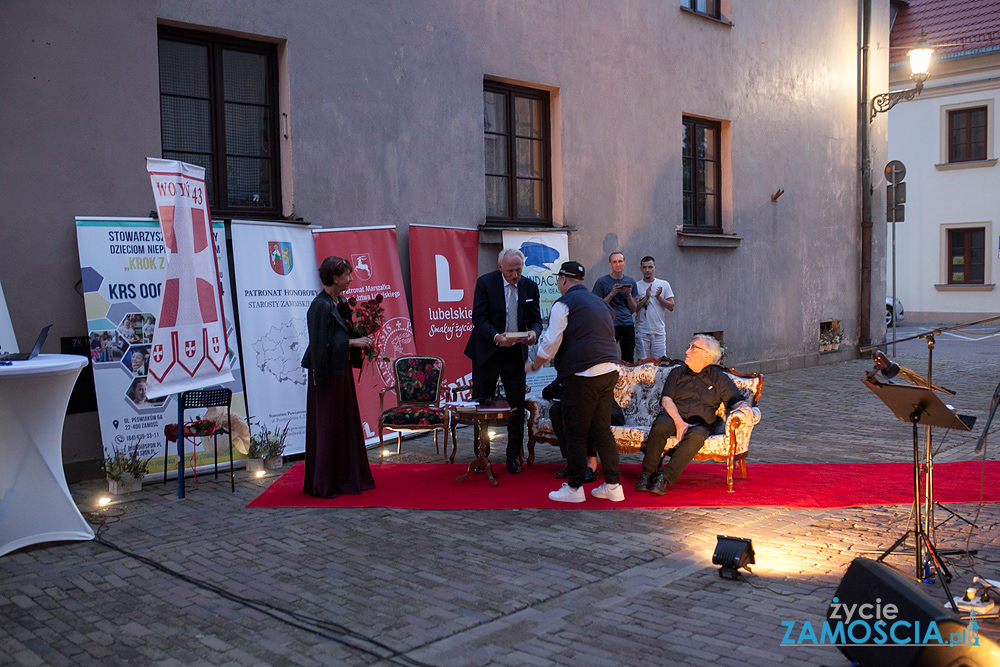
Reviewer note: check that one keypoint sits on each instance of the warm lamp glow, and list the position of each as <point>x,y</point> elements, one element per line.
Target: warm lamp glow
<point>386,452</point>
<point>920,58</point>
<point>261,473</point>
<point>103,501</point>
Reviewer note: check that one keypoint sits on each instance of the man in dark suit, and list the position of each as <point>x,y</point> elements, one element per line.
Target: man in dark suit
<point>504,303</point>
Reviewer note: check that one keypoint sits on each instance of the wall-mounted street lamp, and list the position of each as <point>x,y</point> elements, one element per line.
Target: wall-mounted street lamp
<point>920,61</point>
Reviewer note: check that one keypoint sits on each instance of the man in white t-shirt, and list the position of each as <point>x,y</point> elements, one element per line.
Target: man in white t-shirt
<point>655,299</point>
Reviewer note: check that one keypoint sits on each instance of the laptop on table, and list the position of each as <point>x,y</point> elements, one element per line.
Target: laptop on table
<point>24,356</point>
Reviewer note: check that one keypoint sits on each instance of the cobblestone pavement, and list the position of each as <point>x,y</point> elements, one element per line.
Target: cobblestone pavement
<point>206,581</point>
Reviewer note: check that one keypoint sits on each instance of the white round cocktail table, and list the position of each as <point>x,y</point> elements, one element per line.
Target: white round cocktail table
<point>35,502</point>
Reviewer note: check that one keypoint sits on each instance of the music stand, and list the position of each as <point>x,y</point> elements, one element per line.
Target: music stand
<point>919,405</point>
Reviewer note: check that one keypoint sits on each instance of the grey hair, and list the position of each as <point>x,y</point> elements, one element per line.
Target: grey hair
<point>509,251</point>
<point>713,346</point>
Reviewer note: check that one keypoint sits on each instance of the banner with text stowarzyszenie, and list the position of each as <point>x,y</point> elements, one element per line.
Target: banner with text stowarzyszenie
<point>121,264</point>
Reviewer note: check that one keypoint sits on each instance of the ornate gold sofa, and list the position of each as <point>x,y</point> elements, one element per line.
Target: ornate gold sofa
<point>638,393</point>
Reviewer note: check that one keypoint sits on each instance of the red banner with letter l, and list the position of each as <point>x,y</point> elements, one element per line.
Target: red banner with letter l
<point>443,275</point>
<point>374,259</point>
<point>189,349</point>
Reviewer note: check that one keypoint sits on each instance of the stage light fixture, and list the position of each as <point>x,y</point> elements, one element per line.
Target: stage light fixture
<point>733,553</point>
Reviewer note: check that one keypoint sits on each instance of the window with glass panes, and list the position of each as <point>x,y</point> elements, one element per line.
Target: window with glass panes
<point>702,175</point>
<point>967,135</point>
<point>707,7</point>
<point>966,256</point>
<point>218,110</point>
<point>516,132</point>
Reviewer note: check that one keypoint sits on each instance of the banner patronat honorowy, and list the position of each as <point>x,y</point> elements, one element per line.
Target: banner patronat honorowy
<point>189,349</point>
<point>374,259</point>
<point>276,280</point>
<point>443,276</point>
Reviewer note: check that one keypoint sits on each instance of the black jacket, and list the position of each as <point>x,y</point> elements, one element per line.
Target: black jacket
<point>489,315</point>
<point>329,337</point>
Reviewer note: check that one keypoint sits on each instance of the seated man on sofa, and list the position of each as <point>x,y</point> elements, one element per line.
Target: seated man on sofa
<point>692,393</point>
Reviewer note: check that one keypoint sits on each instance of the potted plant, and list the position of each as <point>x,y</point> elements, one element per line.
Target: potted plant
<point>266,447</point>
<point>125,470</point>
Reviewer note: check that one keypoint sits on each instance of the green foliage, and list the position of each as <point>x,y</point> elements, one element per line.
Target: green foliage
<point>124,466</point>
<point>266,443</point>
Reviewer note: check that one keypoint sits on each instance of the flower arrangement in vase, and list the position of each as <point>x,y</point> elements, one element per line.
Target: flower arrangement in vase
<point>266,446</point>
<point>125,470</point>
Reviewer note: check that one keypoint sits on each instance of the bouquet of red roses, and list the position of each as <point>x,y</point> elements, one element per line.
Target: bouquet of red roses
<point>368,317</point>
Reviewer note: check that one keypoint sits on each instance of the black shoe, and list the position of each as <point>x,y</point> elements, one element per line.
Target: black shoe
<point>513,467</point>
<point>591,476</point>
<point>563,472</point>
<point>642,484</point>
<point>659,485</point>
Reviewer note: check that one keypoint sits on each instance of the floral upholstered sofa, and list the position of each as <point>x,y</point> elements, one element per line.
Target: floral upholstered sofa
<point>638,393</point>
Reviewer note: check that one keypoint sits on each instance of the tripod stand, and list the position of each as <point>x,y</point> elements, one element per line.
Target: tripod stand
<point>919,405</point>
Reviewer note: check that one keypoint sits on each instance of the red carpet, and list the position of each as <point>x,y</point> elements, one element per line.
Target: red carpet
<point>808,486</point>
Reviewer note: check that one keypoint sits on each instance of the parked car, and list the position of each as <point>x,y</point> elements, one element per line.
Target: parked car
<point>893,313</point>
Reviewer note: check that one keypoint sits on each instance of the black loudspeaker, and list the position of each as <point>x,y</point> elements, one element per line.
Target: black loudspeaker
<point>897,600</point>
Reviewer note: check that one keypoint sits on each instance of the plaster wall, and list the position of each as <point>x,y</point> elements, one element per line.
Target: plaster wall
<point>384,103</point>
<point>939,196</point>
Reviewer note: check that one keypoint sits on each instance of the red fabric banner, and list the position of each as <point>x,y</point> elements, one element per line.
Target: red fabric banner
<point>442,278</point>
<point>189,349</point>
<point>374,257</point>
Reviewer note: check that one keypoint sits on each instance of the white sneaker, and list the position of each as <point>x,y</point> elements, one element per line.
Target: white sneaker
<point>567,494</point>
<point>612,492</point>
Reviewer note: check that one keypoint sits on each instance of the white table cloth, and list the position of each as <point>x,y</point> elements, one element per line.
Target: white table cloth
<point>35,502</point>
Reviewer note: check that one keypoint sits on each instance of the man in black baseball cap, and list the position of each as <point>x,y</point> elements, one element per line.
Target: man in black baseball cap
<point>572,270</point>
<point>581,339</point>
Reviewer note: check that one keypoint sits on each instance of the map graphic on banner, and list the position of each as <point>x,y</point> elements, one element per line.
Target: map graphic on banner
<point>543,255</point>
<point>276,280</point>
<point>122,264</point>
<point>442,278</point>
<point>374,257</point>
<point>189,348</point>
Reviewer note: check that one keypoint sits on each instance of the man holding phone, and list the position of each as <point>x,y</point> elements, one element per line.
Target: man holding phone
<point>619,291</point>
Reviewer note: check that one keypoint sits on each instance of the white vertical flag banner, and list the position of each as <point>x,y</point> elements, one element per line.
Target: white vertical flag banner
<point>189,345</point>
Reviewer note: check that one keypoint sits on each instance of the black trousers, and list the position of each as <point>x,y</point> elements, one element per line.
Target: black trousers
<point>663,428</point>
<point>555,415</point>
<point>625,335</point>
<point>586,413</point>
<point>507,365</point>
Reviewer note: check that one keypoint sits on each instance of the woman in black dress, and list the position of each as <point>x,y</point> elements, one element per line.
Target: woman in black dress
<point>336,458</point>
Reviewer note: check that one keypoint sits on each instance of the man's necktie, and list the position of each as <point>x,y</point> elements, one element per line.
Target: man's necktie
<point>511,307</point>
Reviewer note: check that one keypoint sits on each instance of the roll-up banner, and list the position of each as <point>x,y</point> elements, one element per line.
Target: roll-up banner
<point>276,280</point>
<point>122,266</point>
<point>442,280</point>
<point>544,253</point>
<point>189,349</point>
<point>374,259</point>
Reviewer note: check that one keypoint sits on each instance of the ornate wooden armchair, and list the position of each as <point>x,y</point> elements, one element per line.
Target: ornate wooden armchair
<point>419,390</point>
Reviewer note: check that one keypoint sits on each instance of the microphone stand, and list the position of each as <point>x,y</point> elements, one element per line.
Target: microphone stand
<point>989,420</point>
<point>928,466</point>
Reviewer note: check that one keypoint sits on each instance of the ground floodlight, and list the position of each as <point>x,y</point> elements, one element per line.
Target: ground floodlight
<point>732,553</point>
